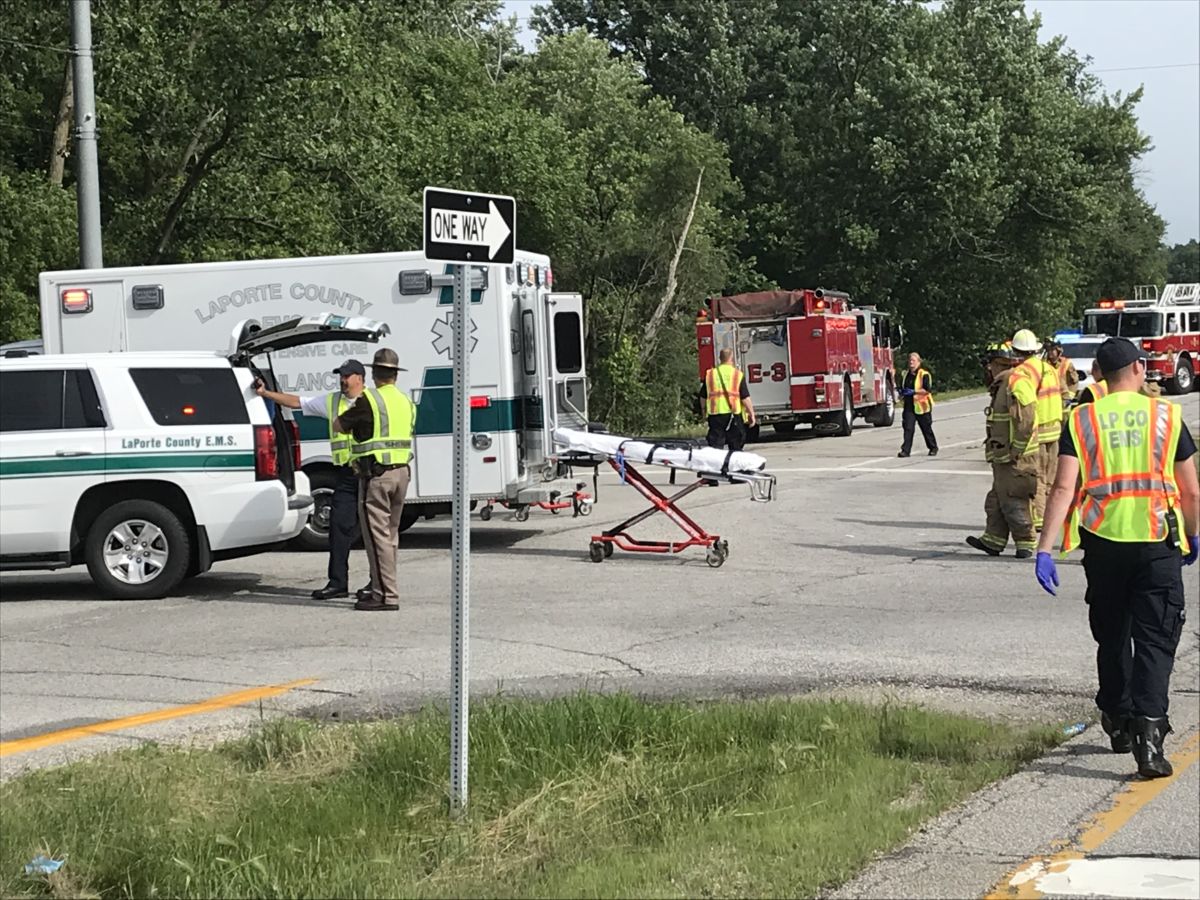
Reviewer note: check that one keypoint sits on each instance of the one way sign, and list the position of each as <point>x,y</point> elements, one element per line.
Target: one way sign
<point>461,227</point>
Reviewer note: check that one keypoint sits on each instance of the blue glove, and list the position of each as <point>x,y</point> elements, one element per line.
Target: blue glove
<point>1047,573</point>
<point>907,392</point>
<point>1194,543</point>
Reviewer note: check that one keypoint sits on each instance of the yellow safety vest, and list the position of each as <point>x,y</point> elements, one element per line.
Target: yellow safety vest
<point>1126,444</point>
<point>1036,381</point>
<point>339,442</point>
<point>724,386</point>
<point>394,416</point>
<point>1098,389</point>
<point>922,405</point>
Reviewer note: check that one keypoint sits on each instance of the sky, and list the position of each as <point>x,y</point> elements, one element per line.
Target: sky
<point>1154,44</point>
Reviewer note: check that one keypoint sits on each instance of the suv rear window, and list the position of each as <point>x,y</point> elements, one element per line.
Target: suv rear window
<point>191,396</point>
<point>49,400</point>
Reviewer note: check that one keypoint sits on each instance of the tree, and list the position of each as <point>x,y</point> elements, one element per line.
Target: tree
<point>1183,263</point>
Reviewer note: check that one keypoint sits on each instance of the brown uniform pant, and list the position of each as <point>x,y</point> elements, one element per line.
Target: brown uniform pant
<point>380,502</point>
<point>1047,469</point>
<point>1008,507</point>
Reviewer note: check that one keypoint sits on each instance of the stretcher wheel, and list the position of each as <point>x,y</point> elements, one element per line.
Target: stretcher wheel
<point>521,514</point>
<point>724,545</point>
<point>554,510</point>
<point>596,551</point>
<point>486,513</point>
<point>585,507</point>
<point>715,557</point>
<point>608,549</point>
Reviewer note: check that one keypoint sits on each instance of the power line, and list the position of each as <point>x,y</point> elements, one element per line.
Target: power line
<point>31,46</point>
<point>1142,68</point>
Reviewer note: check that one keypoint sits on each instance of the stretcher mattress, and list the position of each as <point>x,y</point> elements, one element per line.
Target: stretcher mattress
<point>697,459</point>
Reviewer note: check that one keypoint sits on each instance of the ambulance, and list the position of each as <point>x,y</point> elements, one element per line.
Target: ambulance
<point>527,368</point>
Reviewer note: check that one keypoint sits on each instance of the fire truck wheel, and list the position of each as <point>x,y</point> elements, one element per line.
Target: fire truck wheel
<point>884,415</point>
<point>1185,378</point>
<point>844,423</point>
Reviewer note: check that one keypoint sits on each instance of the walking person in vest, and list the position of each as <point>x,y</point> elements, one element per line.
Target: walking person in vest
<point>916,389</point>
<point>1035,382</point>
<point>1010,440</point>
<point>343,505</point>
<point>727,399</point>
<point>1125,459</point>
<point>381,425</point>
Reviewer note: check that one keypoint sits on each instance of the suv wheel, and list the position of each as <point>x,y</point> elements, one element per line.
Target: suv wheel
<point>137,550</point>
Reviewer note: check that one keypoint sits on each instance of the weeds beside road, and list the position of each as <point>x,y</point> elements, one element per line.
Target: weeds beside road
<point>586,795</point>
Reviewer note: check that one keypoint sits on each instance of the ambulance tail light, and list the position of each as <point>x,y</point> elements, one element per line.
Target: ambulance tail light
<point>266,456</point>
<point>549,279</point>
<point>76,300</point>
<point>295,429</point>
<point>481,402</point>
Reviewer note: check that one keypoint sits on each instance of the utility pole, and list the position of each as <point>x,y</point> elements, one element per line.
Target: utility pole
<point>87,175</point>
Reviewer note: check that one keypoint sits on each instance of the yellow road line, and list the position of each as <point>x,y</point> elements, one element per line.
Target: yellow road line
<point>1021,884</point>
<point>50,738</point>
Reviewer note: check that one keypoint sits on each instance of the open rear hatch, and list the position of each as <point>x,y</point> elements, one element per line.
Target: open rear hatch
<point>251,340</point>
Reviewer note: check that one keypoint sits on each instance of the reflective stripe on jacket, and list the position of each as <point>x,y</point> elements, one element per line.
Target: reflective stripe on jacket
<point>724,386</point>
<point>339,442</point>
<point>394,418</point>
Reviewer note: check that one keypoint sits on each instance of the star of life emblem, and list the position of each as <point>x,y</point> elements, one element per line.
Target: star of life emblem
<point>443,335</point>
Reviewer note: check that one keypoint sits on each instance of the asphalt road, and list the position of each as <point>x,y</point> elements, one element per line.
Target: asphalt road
<point>854,582</point>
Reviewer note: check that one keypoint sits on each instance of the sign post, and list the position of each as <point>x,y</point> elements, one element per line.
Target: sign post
<point>464,229</point>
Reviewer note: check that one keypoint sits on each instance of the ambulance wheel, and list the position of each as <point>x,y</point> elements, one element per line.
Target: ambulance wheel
<point>715,556</point>
<point>315,536</point>
<point>486,514</point>
<point>137,550</point>
<point>596,551</point>
<point>521,514</point>
<point>1185,378</point>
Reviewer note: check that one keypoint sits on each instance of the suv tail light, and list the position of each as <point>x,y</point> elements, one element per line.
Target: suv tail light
<point>295,445</point>
<point>266,455</point>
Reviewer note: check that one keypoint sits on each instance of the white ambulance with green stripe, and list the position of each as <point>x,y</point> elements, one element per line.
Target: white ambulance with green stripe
<point>150,466</point>
<point>528,372</point>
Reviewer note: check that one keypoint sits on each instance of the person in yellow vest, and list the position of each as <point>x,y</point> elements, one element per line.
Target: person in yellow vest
<point>727,402</point>
<point>381,424</point>
<point>1010,430</point>
<point>1035,381</point>
<point>1068,375</point>
<point>1125,465</point>
<point>342,511</point>
<point>916,389</point>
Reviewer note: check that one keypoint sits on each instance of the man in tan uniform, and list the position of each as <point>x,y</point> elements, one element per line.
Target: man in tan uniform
<point>381,424</point>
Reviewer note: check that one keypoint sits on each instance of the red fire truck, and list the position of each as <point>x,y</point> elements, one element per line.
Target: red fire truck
<point>809,356</point>
<point>1167,326</point>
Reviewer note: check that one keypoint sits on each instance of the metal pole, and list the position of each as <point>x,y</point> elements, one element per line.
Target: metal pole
<point>87,176</point>
<point>460,550</point>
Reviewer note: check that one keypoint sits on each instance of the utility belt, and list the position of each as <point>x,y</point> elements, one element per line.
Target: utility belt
<point>370,468</point>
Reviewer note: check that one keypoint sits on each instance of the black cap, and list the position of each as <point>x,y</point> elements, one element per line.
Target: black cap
<point>1117,353</point>
<point>351,367</point>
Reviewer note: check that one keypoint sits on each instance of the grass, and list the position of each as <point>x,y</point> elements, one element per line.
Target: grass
<point>582,796</point>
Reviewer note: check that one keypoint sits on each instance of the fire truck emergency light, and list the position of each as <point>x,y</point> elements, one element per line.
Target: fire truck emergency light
<point>76,300</point>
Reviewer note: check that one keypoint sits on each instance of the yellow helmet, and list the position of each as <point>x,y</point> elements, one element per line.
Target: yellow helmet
<point>1025,341</point>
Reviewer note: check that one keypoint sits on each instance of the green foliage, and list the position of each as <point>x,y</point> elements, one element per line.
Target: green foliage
<point>1183,263</point>
<point>941,163</point>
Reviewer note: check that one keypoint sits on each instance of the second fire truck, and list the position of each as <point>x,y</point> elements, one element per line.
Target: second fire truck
<point>809,356</point>
<point>1166,326</point>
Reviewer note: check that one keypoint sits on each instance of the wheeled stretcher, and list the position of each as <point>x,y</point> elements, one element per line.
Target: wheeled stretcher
<point>579,501</point>
<point>712,467</point>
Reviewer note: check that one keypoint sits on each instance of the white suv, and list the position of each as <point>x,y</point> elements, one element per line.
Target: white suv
<point>148,467</point>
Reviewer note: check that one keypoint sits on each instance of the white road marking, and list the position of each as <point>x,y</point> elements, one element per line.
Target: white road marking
<point>1129,876</point>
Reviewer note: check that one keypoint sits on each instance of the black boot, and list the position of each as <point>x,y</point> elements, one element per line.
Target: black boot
<point>1148,735</point>
<point>1117,730</point>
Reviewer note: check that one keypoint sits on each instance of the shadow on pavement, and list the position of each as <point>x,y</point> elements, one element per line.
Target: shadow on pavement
<point>918,525</point>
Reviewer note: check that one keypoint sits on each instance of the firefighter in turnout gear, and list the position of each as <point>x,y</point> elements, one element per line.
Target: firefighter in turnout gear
<point>1126,466</point>
<point>726,397</point>
<point>1068,376</point>
<point>381,424</point>
<point>1036,382</point>
<point>343,501</point>
<point>1010,433</point>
